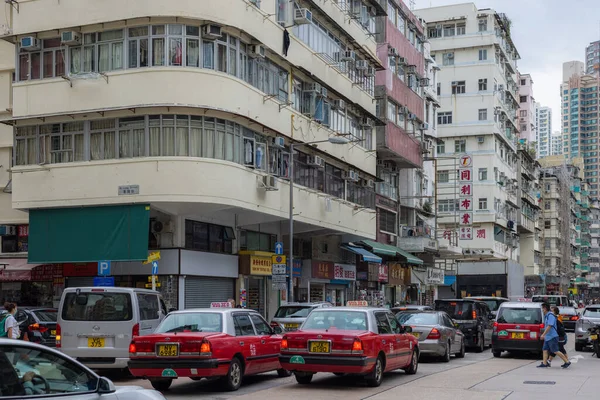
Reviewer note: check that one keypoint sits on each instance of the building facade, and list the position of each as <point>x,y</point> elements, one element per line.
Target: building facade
<point>556,144</point>
<point>543,119</point>
<point>170,129</point>
<point>592,58</point>
<point>527,110</point>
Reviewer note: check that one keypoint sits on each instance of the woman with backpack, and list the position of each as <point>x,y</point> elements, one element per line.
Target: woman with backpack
<point>9,327</point>
<point>562,334</point>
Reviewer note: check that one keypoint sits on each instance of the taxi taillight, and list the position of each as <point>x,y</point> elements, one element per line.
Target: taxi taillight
<point>434,334</point>
<point>574,318</point>
<point>58,336</point>
<point>205,348</point>
<point>284,344</point>
<point>132,349</point>
<point>495,326</point>
<point>357,346</point>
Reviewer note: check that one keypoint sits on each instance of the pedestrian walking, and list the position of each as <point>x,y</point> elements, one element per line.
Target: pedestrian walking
<point>9,327</point>
<point>550,337</point>
<point>562,334</point>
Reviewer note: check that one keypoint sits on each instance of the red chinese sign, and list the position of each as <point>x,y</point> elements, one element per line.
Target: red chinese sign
<point>23,230</point>
<point>466,190</point>
<point>322,270</point>
<point>383,273</point>
<point>465,174</point>
<point>466,218</point>
<point>465,205</point>
<point>466,233</point>
<point>480,233</point>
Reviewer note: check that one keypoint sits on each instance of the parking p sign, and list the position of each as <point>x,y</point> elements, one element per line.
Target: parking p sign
<point>103,268</point>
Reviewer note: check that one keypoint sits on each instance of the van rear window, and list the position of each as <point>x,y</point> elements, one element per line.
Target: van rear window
<point>97,306</point>
<point>456,309</point>
<point>508,315</point>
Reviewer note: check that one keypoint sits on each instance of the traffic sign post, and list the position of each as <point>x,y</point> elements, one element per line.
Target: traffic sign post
<point>103,268</point>
<point>154,273</point>
<point>279,248</point>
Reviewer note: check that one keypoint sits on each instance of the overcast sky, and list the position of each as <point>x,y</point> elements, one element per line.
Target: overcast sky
<point>546,34</point>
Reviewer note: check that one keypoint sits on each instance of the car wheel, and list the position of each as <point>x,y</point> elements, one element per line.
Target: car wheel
<point>496,353</point>
<point>446,356</point>
<point>233,380</point>
<point>414,363</point>
<point>283,373</point>
<point>579,347</point>
<point>375,377</point>
<point>161,384</point>
<point>303,378</point>
<point>481,346</point>
<point>462,352</point>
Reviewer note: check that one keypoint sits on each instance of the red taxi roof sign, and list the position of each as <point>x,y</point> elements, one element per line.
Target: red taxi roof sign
<point>357,303</point>
<point>221,304</point>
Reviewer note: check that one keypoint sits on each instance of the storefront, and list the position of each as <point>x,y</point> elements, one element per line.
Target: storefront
<point>435,278</point>
<point>448,289</point>
<point>26,284</point>
<point>321,275</point>
<point>398,282</point>
<point>341,288</point>
<point>256,267</point>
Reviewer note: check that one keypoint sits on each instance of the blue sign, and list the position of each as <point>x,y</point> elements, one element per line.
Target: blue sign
<point>104,281</point>
<point>279,248</point>
<point>103,268</point>
<point>154,267</point>
<point>297,272</point>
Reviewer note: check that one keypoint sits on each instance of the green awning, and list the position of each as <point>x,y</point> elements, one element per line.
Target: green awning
<point>391,251</point>
<point>89,234</point>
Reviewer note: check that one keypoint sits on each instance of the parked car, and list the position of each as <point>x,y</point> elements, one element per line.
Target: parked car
<point>436,333</point>
<point>39,323</point>
<point>349,340</point>
<point>473,318</point>
<point>590,316</point>
<point>518,327</point>
<point>411,307</point>
<point>552,299</point>
<point>492,302</point>
<point>30,370</point>
<point>96,324</point>
<point>290,316</point>
<point>206,343</point>
<point>570,316</point>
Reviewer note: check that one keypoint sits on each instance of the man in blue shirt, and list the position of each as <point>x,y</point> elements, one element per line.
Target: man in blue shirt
<point>550,338</point>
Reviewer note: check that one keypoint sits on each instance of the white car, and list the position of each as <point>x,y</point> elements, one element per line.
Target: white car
<point>30,370</point>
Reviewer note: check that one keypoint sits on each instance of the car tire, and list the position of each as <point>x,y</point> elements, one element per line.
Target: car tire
<point>481,346</point>
<point>375,377</point>
<point>414,363</point>
<point>496,353</point>
<point>283,373</point>
<point>161,384</point>
<point>233,380</point>
<point>579,346</point>
<point>303,378</point>
<point>461,353</point>
<point>446,356</point>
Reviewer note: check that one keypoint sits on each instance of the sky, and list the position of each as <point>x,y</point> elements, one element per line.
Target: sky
<point>546,34</point>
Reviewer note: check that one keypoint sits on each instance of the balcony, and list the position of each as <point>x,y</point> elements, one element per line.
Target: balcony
<point>525,224</point>
<point>417,239</point>
<point>394,143</point>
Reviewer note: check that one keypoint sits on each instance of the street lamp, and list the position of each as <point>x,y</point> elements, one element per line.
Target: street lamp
<point>332,140</point>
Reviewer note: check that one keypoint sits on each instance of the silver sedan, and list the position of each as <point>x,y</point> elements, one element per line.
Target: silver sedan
<point>436,332</point>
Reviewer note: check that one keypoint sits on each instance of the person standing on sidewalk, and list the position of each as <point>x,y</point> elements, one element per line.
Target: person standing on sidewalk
<point>550,337</point>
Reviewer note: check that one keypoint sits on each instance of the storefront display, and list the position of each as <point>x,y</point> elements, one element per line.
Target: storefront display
<point>256,266</point>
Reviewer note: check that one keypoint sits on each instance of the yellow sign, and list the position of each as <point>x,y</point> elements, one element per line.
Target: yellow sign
<point>153,276</point>
<point>149,285</point>
<point>260,265</point>
<point>154,256</point>
<point>279,259</point>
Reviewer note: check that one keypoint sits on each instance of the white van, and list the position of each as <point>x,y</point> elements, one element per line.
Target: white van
<point>96,324</point>
<point>558,300</point>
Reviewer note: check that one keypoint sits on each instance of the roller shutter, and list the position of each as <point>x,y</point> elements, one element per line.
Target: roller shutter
<point>79,281</point>
<point>201,291</point>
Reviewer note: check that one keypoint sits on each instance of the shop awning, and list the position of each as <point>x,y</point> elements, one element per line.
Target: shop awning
<point>15,269</point>
<point>367,256</point>
<point>391,251</point>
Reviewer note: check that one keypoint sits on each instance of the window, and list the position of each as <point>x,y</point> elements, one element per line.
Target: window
<point>441,147</point>
<point>208,237</point>
<point>439,88</point>
<point>461,29</point>
<point>148,306</point>
<point>460,146</point>
<point>448,59</point>
<point>523,113</point>
<point>483,114</point>
<point>97,306</point>
<point>482,54</point>
<point>547,243</point>
<point>257,241</point>
<point>482,84</point>
<point>243,325</point>
<point>459,87</point>
<point>46,63</point>
<point>448,205</point>
<point>547,205</point>
<point>444,118</point>
<point>482,23</point>
<point>547,224</point>
<point>483,204</point>
<point>383,325</point>
<point>262,328</point>
<point>443,176</point>
<point>387,221</point>
<point>523,99</point>
<point>394,324</point>
<point>483,174</point>
<point>449,30</point>
<point>523,82</point>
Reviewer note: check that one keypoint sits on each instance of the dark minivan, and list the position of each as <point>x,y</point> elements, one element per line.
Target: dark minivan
<point>473,318</point>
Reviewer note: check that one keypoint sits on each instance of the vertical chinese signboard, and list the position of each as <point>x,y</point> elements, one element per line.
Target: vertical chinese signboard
<point>465,194</point>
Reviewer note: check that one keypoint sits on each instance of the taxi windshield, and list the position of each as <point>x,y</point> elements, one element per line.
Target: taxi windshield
<point>342,320</point>
<point>293,312</point>
<point>191,322</point>
<point>417,318</point>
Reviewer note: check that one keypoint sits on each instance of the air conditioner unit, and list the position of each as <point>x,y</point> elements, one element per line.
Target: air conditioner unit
<point>369,183</point>
<point>366,122</point>
<point>424,126</point>
<point>480,139</point>
<point>29,43</point>
<point>362,65</point>
<point>211,32</point>
<point>157,227</point>
<point>424,82</point>
<point>450,56</point>
<point>257,51</point>
<point>338,104</point>
<point>313,87</point>
<point>370,72</point>
<point>348,55</point>
<point>401,60</point>
<point>411,69</point>
<point>353,176</point>
<point>70,38</point>
<point>392,52</point>
<point>316,161</point>
<point>412,116</point>
<point>402,109</point>
<point>302,16</point>
<point>454,83</point>
<point>279,141</point>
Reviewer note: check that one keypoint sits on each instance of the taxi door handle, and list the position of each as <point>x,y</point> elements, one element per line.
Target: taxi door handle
<point>262,342</point>
<point>383,341</point>
<point>241,343</point>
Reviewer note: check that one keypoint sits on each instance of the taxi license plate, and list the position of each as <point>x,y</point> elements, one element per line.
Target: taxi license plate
<point>53,332</point>
<point>517,335</point>
<point>167,350</point>
<point>594,337</point>
<point>320,347</point>
<point>290,326</point>
<point>96,342</point>
<point>416,334</point>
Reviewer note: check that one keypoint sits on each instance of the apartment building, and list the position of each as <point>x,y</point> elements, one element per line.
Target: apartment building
<point>592,58</point>
<point>168,127</point>
<point>556,144</point>
<point>477,129</point>
<point>543,121</point>
<point>527,109</point>
<point>529,205</point>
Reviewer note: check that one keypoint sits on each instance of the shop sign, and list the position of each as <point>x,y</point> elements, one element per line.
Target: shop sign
<point>383,273</point>
<point>84,269</point>
<point>261,265</point>
<point>361,275</point>
<point>23,230</point>
<point>297,272</point>
<point>435,276</point>
<point>344,272</point>
<point>397,274</point>
<point>42,273</point>
<point>322,270</point>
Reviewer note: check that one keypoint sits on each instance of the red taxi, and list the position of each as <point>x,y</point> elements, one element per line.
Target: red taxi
<point>216,343</point>
<point>518,328</point>
<point>349,340</point>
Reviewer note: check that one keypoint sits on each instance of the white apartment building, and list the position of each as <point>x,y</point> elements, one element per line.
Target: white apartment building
<point>527,110</point>
<point>477,129</point>
<point>179,116</point>
<point>556,144</point>
<point>543,117</point>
